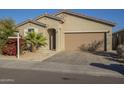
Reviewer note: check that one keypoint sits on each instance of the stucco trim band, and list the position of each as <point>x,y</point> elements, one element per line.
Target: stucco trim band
<point>90,31</point>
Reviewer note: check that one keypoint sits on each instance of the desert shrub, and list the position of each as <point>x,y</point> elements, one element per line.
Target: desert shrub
<point>10,47</point>
<point>91,47</point>
<point>120,51</point>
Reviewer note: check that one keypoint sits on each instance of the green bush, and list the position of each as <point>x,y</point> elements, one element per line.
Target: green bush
<point>35,40</point>
<point>7,28</point>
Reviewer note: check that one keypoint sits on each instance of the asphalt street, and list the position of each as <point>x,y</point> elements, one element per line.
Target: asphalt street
<point>16,76</point>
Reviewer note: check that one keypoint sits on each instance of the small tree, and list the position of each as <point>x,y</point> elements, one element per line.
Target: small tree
<point>35,40</point>
<point>7,28</point>
<point>120,51</point>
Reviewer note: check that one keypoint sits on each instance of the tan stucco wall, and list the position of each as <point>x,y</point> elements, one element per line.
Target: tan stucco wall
<point>51,23</point>
<point>72,23</point>
<point>22,28</point>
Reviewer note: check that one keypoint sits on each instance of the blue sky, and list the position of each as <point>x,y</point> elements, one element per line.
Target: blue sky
<point>114,15</point>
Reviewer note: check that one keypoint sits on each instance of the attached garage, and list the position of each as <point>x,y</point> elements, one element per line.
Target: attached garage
<point>79,40</point>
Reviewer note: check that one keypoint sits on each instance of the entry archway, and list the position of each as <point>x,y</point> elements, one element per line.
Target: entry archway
<point>52,38</point>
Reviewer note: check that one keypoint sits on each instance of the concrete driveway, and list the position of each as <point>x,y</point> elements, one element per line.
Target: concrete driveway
<point>98,64</point>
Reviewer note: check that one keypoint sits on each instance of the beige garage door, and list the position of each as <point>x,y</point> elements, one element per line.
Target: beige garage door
<point>79,41</point>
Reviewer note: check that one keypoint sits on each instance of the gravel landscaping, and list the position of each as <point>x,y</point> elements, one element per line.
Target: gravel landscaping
<point>39,55</point>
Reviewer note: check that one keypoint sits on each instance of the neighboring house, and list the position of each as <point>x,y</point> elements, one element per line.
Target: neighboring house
<point>118,38</point>
<point>67,30</point>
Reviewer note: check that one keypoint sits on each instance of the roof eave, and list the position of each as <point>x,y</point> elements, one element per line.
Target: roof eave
<point>88,17</point>
<point>30,21</point>
<point>48,17</point>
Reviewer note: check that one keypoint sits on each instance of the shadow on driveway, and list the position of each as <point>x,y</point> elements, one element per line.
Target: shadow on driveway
<point>112,56</point>
<point>114,67</point>
<point>106,54</point>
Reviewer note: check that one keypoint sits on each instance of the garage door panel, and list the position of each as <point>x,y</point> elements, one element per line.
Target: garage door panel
<point>75,41</point>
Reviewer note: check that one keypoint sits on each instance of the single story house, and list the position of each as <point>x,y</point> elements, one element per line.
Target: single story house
<point>67,30</point>
<point>118,38</point>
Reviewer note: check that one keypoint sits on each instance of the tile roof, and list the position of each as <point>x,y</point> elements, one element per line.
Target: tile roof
<point>31,21</point>
<point>87,17</point>
<point>49,16</point>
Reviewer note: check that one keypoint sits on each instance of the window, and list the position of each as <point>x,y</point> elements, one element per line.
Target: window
<point>31,30</point>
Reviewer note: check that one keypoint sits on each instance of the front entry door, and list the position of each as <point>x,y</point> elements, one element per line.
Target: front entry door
<point>52,40</point>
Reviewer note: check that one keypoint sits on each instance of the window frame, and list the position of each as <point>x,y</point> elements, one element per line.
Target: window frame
<point>33,30</point>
